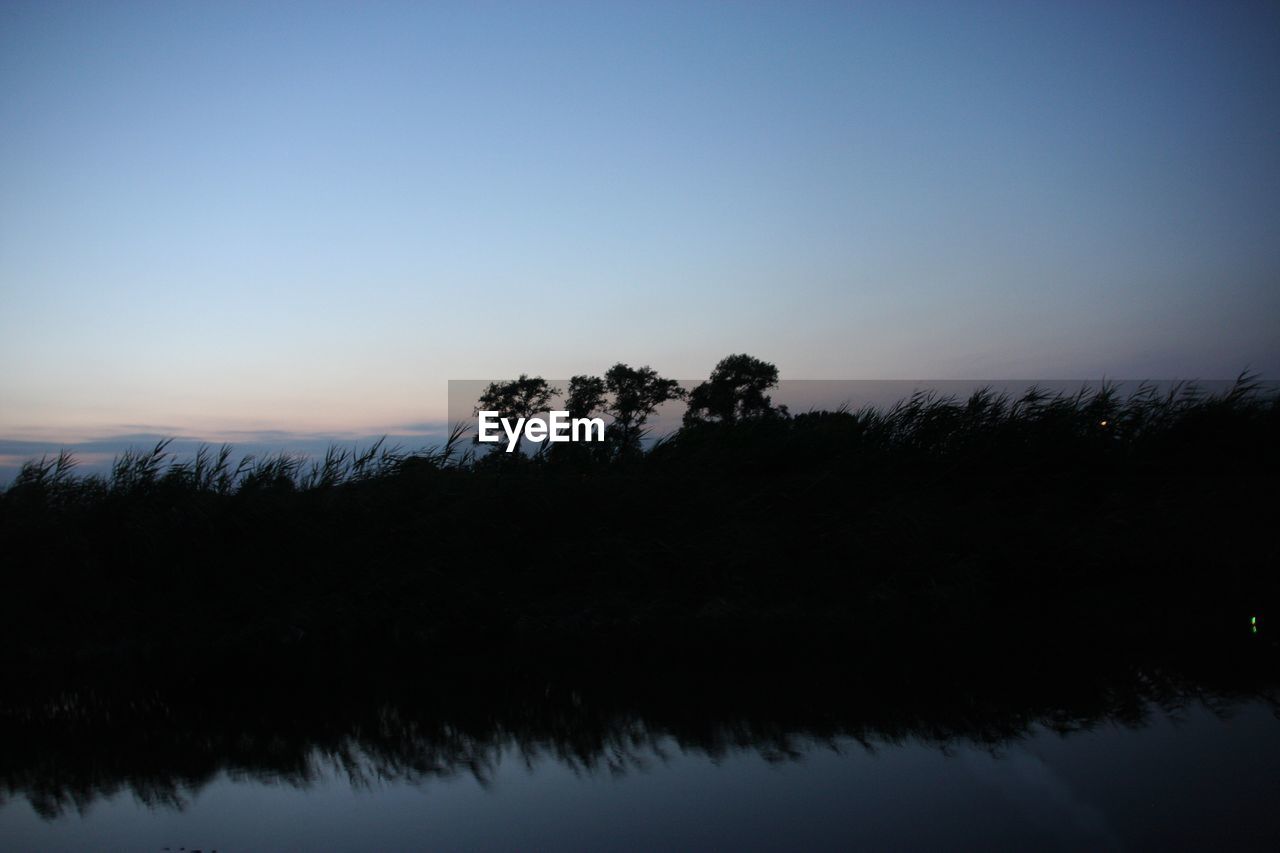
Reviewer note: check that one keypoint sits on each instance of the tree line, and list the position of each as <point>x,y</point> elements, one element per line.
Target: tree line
<point>736,390</point>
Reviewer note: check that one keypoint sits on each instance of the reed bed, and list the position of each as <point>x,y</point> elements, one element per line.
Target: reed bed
<point>1014,518</point>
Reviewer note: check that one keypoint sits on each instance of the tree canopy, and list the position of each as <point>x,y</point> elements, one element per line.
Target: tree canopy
<point>637,392</point>
<point>518,398</point>
<point>735,391</point>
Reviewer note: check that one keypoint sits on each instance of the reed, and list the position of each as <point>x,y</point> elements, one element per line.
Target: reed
<point>995,515</point>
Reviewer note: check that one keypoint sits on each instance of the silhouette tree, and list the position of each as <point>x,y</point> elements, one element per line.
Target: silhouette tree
<point>735,391</point>
<point>586,396</point>
<point>519,398</point>
<point>637,392</point>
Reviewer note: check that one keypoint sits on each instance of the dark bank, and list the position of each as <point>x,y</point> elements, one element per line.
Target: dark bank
<point>750,531</point>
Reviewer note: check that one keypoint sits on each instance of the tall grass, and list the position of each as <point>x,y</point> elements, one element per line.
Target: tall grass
<point>1097,420</point>
<point>1033,515</point>
<point>217,471</point>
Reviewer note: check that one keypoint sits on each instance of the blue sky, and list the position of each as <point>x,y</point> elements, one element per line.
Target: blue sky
<point>221,218</point>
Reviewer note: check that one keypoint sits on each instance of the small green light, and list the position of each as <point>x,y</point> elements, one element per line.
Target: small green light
<point>1253,620</point>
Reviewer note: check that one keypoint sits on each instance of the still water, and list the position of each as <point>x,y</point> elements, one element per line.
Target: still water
<point>1198,773</point>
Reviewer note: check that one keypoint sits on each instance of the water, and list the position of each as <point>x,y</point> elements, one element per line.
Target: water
<point>1130,774</point>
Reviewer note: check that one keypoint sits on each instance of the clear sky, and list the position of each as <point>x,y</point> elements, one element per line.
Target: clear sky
<point>308,216</point>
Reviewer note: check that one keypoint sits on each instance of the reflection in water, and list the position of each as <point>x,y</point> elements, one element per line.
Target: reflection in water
<point>72,755</point>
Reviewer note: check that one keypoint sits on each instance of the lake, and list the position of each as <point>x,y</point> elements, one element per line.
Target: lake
<point>1149,764</point>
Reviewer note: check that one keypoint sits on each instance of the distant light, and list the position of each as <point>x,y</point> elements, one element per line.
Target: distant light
<point>1253,624</point>
<point>1102,423</point>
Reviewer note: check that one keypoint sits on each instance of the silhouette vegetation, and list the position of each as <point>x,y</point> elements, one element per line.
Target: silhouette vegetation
<point>735,391</point>
<point>751,533</point>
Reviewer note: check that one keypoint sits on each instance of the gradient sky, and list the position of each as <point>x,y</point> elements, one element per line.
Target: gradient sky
<point>309,216</point>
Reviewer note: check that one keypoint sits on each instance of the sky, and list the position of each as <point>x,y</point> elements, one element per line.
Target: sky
<point>263,219</point>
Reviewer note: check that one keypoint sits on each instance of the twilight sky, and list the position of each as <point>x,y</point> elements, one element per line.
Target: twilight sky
<point>220,217</point>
